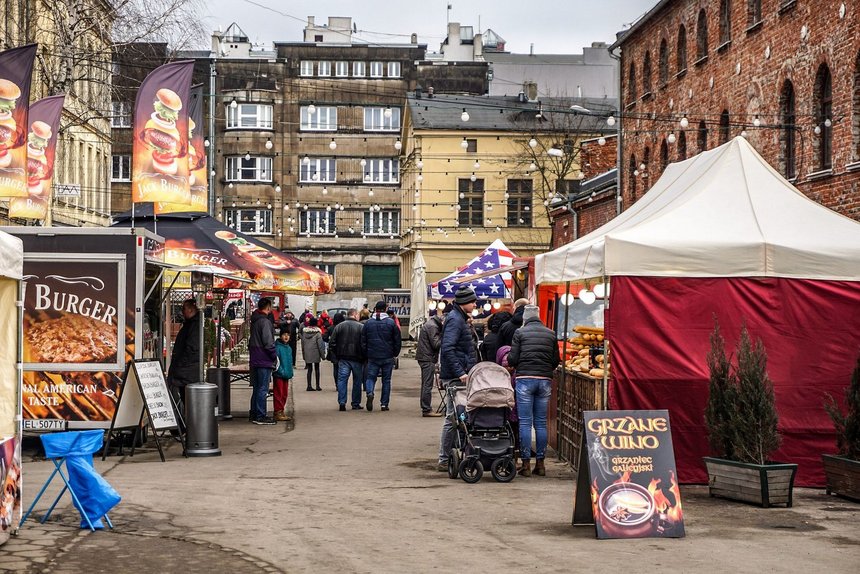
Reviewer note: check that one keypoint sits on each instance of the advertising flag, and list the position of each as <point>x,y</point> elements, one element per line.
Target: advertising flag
<point>16,69</point>
<point>41,153</point>
<point>197,165</point>
<point>160,155</point>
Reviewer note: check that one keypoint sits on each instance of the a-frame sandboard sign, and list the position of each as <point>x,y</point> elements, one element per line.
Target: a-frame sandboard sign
<point>144,393</point>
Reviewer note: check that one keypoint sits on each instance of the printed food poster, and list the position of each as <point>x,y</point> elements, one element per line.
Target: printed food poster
<point>10,481</point>
<point>197,171</point>
<point>16,67</point>
<point>633,478</point>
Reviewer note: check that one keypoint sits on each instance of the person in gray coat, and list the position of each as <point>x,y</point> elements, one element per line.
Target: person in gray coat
<point>313,350</point>
<point>427,355</point>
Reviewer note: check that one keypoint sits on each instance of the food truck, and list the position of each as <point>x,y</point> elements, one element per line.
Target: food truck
<point>93,302</point>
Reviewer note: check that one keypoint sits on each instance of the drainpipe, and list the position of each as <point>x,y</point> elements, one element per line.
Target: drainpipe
<point>619,145</point>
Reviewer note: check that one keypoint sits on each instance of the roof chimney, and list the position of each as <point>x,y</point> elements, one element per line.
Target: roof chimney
<point>310,20</point>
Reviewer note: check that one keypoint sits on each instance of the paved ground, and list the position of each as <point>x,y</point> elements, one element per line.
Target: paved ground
<point>356,492</point>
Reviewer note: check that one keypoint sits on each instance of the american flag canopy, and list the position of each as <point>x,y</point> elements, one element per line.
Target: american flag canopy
<point>498,286</point>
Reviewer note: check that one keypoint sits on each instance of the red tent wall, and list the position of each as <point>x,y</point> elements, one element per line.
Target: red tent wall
<point>659,330</point>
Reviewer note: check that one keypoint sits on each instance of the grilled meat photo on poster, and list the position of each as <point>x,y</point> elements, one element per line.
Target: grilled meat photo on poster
<point>71,396</point>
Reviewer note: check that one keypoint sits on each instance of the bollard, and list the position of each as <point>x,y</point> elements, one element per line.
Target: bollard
<point>201,436</point>
<point>221,378</point>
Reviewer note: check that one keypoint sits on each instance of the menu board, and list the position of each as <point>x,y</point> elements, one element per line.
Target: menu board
<point>627,482</point>
<point>145,387</point>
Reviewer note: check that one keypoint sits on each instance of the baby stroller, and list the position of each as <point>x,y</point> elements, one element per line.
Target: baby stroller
<point>483,435</point>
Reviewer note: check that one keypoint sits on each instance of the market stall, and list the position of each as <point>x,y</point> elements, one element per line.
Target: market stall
<point>488,283</point>
<point>723,235</point>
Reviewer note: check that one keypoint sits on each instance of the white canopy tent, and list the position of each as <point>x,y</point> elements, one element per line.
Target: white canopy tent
<point>724,213</point>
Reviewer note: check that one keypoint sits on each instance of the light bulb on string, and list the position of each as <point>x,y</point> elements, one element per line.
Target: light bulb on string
<point>477,164</point>
<point>420,164</point>
<point>370,193</point>
<point>610,121</point>
<point>473,177</point>
<point>817,130</point>
<point>587,296</point>
<point>387,112</point>
<point>756,122</point>
<point>312,109</point>
<point>464,144</point>
<point>497,305</point>
<point>363,162</point>
<point>332,145</point>
<point>398,145</point>
<point>420,178</point>
<point>248,156</point>
<point>465,115</point>
<point>532,166</point>
<point>298,205</point>
<point>601,141</point>
<point>230,185</point>
<point>277,189</point>
<point>533,143</point>
<point>306,160</point>
<point>685,123</point>
<point>325,191</point>
<point>671,139</point>
<point>828,123</point>
<point>234,104</point>
<point>487,306</point>
<point>206,142</point>
<point>269,143</point>
<point>600,290</point>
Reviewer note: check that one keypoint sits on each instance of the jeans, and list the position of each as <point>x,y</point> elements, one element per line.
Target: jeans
<point>427,379</point>
<point>260,382</point>
<point>532,402</point>
<point>446,441</point>
<point>374,369</point>
<point>345,368</point>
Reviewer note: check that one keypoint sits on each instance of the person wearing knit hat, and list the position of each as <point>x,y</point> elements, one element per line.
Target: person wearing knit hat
<point>457,356</point>
<point>380,342</point>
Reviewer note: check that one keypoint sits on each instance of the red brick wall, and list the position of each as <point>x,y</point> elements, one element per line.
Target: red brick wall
<point>562,230</point>
<point>596,213</point>
<point>746,77</point>
<point>596,159</point>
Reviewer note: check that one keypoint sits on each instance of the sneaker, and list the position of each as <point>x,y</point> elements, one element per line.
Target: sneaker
<point>431,414</point>
<point>265,421</point>
<point>442,466</point>
<point>384,407</point>
<point>357,408</point>
<point>342,408</point>
<point>370,402</point>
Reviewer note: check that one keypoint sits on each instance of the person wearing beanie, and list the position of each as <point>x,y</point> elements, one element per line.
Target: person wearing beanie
<point>283,373</point>
<point>457,356</point>
<point>506,330</point>
<point>380,342</point>
<point>313,350</point>
<point>534,354</point>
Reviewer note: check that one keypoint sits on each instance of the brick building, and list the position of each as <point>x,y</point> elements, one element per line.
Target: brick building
<point>783,73</point>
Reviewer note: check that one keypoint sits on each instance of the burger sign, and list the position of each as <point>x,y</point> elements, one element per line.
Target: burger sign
<point>16,67</point>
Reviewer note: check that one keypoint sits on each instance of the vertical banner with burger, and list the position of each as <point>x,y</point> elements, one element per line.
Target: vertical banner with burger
<point>197,169</point>
<point>16,69</point>
<point>630,475</point>
<point>160,164</point>
<point>41,150</point>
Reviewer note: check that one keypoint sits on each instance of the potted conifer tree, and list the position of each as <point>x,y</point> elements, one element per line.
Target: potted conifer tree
<point>843,470</point>
<point>742,420</point>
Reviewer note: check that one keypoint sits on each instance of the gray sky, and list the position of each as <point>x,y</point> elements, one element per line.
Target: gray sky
<point>554,26</point>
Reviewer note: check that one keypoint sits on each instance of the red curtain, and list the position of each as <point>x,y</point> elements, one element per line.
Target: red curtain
<point>660,329</point>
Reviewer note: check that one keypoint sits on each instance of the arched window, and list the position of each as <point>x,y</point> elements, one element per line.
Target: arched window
<point>787,118</point>
<point>646,161</point>
<point>646,74</point>
<point>823,107</point>
<point>855,109</point>
<point>682,146</point>
<point>702,35</point>
<point>753,12</point>
<point>634,174</point>
<point>664,155</point>
<point>664,63</point>
<point>724,127</point>
<point>631,85</point>
<point>725,21</point>
<point>702,136</point>
<point>682,49</point>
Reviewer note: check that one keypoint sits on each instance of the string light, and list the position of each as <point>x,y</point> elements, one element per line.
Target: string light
<point>465,115</point>
<point>312,109</point>
<point>398,145</point>
<point>332,145</point>
<point>269,144</point>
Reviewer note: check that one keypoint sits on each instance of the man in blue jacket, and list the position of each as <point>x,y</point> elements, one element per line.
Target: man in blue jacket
<point>380,343</point>
<point>458,355</point>
<point>261,347</point>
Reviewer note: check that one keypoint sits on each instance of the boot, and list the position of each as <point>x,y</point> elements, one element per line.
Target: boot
<point>540,469</point>
<point>310,388</point>
<point>281,416</point>
<point>319,388</point>
<point>525,469</point>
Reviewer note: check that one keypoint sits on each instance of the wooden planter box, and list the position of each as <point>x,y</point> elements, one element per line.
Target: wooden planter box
<point>843,476</point>
<point>762,484</point>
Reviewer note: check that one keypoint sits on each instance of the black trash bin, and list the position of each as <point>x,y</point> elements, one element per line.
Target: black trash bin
<point>201,435</point>
<point>220,377</point>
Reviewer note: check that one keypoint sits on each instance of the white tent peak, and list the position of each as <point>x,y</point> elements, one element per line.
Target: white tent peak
<point>723,213</point>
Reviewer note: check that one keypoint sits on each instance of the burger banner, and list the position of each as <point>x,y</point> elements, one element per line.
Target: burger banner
<point>197,169</point>
<point>41,151</point>
<point>160,156</point>
<point>16,68</point>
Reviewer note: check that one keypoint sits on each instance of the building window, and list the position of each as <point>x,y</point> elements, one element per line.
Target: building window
<point>471,145</point>
<point>702,136</point>
<point>520,194</point>
<point>253,168</point>
<point>664,63</point>
<point>341,69</point>
<point>631,85</point>
<point>823,106</point>
<point>327,268</point>
<point>324,118</point>
<point>471,201</point>
<point>358,69</point>
<point>634,173</point>
<point>306,68</point>
<point>702,35</point>
<point>646,75</point>
<point>376,120</point>
<point>316,169</point>
<point>753,12</point>
<point>323,69</point>
<point>377,277</point>
<point>393,69</point>
<point>317,222</point>
<point>682,146</point>
<point>249,116</point>
<point>725,22</point>
<point>664,156</point>
<point>382,171</point>
<point>120,168</point>
<point>724,127</point>
<point>250,221</point>
<point>376,69</point>
<point>787,135</point>
<point>381,223</point>
<point>120,114</point>
<point>682,49</point>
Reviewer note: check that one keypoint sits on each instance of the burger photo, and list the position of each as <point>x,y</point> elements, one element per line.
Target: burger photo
<point>37,163</point>
<point>161,134</point>
<point>9,94</point>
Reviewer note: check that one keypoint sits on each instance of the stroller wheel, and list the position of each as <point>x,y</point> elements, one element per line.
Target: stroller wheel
<point>471,470</point>
<point>504,469</point>
<point>454,464</point>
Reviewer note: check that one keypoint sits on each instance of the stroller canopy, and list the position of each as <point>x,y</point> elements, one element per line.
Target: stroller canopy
<point>489,386</point>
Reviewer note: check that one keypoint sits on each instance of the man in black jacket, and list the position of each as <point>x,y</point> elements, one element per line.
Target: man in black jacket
<point>534,354</point>
<point>506,331</point>
<point>427,355</point>
<point>380,342</point>
<point>185,358</point>
<point>344,344</point>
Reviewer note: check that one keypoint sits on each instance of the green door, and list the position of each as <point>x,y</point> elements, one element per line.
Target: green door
<point>380,277</point>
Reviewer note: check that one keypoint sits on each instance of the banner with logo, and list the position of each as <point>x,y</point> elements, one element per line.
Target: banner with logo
<point>41,153</point>
<point>10,486</point>
<point>160,154</point>
<point>197,166</point>
<point>16,69</point>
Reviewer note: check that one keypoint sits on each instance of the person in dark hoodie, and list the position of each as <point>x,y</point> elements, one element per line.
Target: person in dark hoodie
<point>185,359</point>
<point>261,347</point>
<point>380,343</point>
<point>506,331</point>
<point>490,346</point>
<point>313,350</point>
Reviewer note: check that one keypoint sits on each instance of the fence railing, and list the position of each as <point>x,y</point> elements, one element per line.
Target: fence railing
<point>576,393</point>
